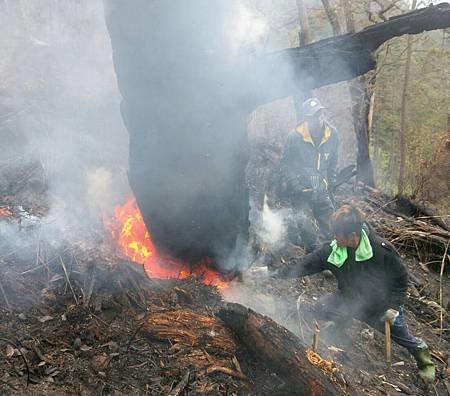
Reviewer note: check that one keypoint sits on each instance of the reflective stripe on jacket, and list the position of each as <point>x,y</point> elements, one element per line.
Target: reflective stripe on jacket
<point>304,161</point>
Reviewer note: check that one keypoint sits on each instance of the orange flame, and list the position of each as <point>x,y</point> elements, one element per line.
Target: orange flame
<point>5,211</point>
<point>132,237</point>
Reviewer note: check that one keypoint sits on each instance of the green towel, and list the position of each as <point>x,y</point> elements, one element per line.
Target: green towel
<point>338,255</point>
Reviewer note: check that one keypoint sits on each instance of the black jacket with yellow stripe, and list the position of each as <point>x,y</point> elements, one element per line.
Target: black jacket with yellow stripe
<point>308,166</point>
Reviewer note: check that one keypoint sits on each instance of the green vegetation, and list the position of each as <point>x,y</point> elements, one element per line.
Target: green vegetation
<point>428,104</point>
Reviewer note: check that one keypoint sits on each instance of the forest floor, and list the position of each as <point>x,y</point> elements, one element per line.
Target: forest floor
<point>79,319</point>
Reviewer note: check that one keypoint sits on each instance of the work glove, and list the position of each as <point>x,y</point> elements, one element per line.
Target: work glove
<point>259,272</point>
<point>390,315</point>
<point>262,272</point>
<point>298,184</point>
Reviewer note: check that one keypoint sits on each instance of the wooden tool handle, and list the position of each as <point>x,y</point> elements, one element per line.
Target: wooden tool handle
<point>387,339</point>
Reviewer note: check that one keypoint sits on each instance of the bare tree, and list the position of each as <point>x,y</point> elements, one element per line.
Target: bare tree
<point>403,148</point>
<point>360,98</point>
<point>332,17</point>
<point>305,34</point>
<point>304,39</point>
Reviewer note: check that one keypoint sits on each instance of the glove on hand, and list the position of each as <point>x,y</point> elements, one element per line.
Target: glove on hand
<point>298,184</point>
<point>260,272</point>
<point>390,315</point>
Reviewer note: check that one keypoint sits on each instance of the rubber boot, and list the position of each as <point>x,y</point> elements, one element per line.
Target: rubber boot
<point>427,369</point>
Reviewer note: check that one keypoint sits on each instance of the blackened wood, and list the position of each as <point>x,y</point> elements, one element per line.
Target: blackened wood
<point>186,98</point>
<point>347,56</point>
<point>279,348</point>
<point>185,106</point>
<point>181,385</point>
<point>420,210</point>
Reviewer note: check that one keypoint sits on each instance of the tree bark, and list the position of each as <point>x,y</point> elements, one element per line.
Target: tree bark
<point>186,110</point>
<point>279,348</point>
<point>337,58</point>
<point>376,138</point>
<point>332,17</point>
<point>304,39</point>
<point>359,94</point>
<point>403,148</point>
<point>305,33</point>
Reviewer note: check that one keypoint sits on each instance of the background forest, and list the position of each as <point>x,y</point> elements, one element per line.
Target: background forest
<point>405,102</point>
<point>58,95</point>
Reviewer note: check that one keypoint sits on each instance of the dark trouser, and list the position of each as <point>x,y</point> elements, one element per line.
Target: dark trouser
<point>321,207</point>
<point>334,307</point>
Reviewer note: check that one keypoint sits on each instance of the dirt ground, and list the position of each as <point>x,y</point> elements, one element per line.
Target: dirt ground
<point>72,351</point>
<point>102,349</point>
<point>359,353</point>
<point>77,319</point>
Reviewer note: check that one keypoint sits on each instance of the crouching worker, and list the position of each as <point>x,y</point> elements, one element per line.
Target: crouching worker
<point>372,283</point>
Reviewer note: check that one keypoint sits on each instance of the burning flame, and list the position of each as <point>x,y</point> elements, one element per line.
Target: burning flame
<point>132,237</point>
<point>5,211</point>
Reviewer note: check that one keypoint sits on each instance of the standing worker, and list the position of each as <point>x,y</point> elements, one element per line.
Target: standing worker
<point>372,283</point>
<point>308,170</point>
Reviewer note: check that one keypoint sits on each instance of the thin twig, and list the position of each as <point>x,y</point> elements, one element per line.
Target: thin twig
<point>225,370</point>
<point>4,296</point>
<point>441,275</point>
<point>139,365</point>
<point>32,270</point>
<point>136,332</point>
<point>316,336</point>
<point>300,317</point>
<point>68,280</point>
<point>181,385</point>
<point>87,295</point>
<point>432,217</point>
<point>382,207</point>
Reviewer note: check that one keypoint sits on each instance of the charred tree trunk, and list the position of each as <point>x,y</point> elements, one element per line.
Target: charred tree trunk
<point>186,115</point>
<point>281,349</point>
<point>187,92</point>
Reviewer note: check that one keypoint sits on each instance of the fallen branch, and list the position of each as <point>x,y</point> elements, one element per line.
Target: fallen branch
<point>68,280</point>
<point>181,385</point>
<point>405,232</point>
<point>4,296</point>
<point>276,345</point>
<point>227,371</point>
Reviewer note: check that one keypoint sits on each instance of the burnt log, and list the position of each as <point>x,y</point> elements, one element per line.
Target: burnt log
<point>419,210</point>
<point>188,83</point>
<point>281,349</point>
